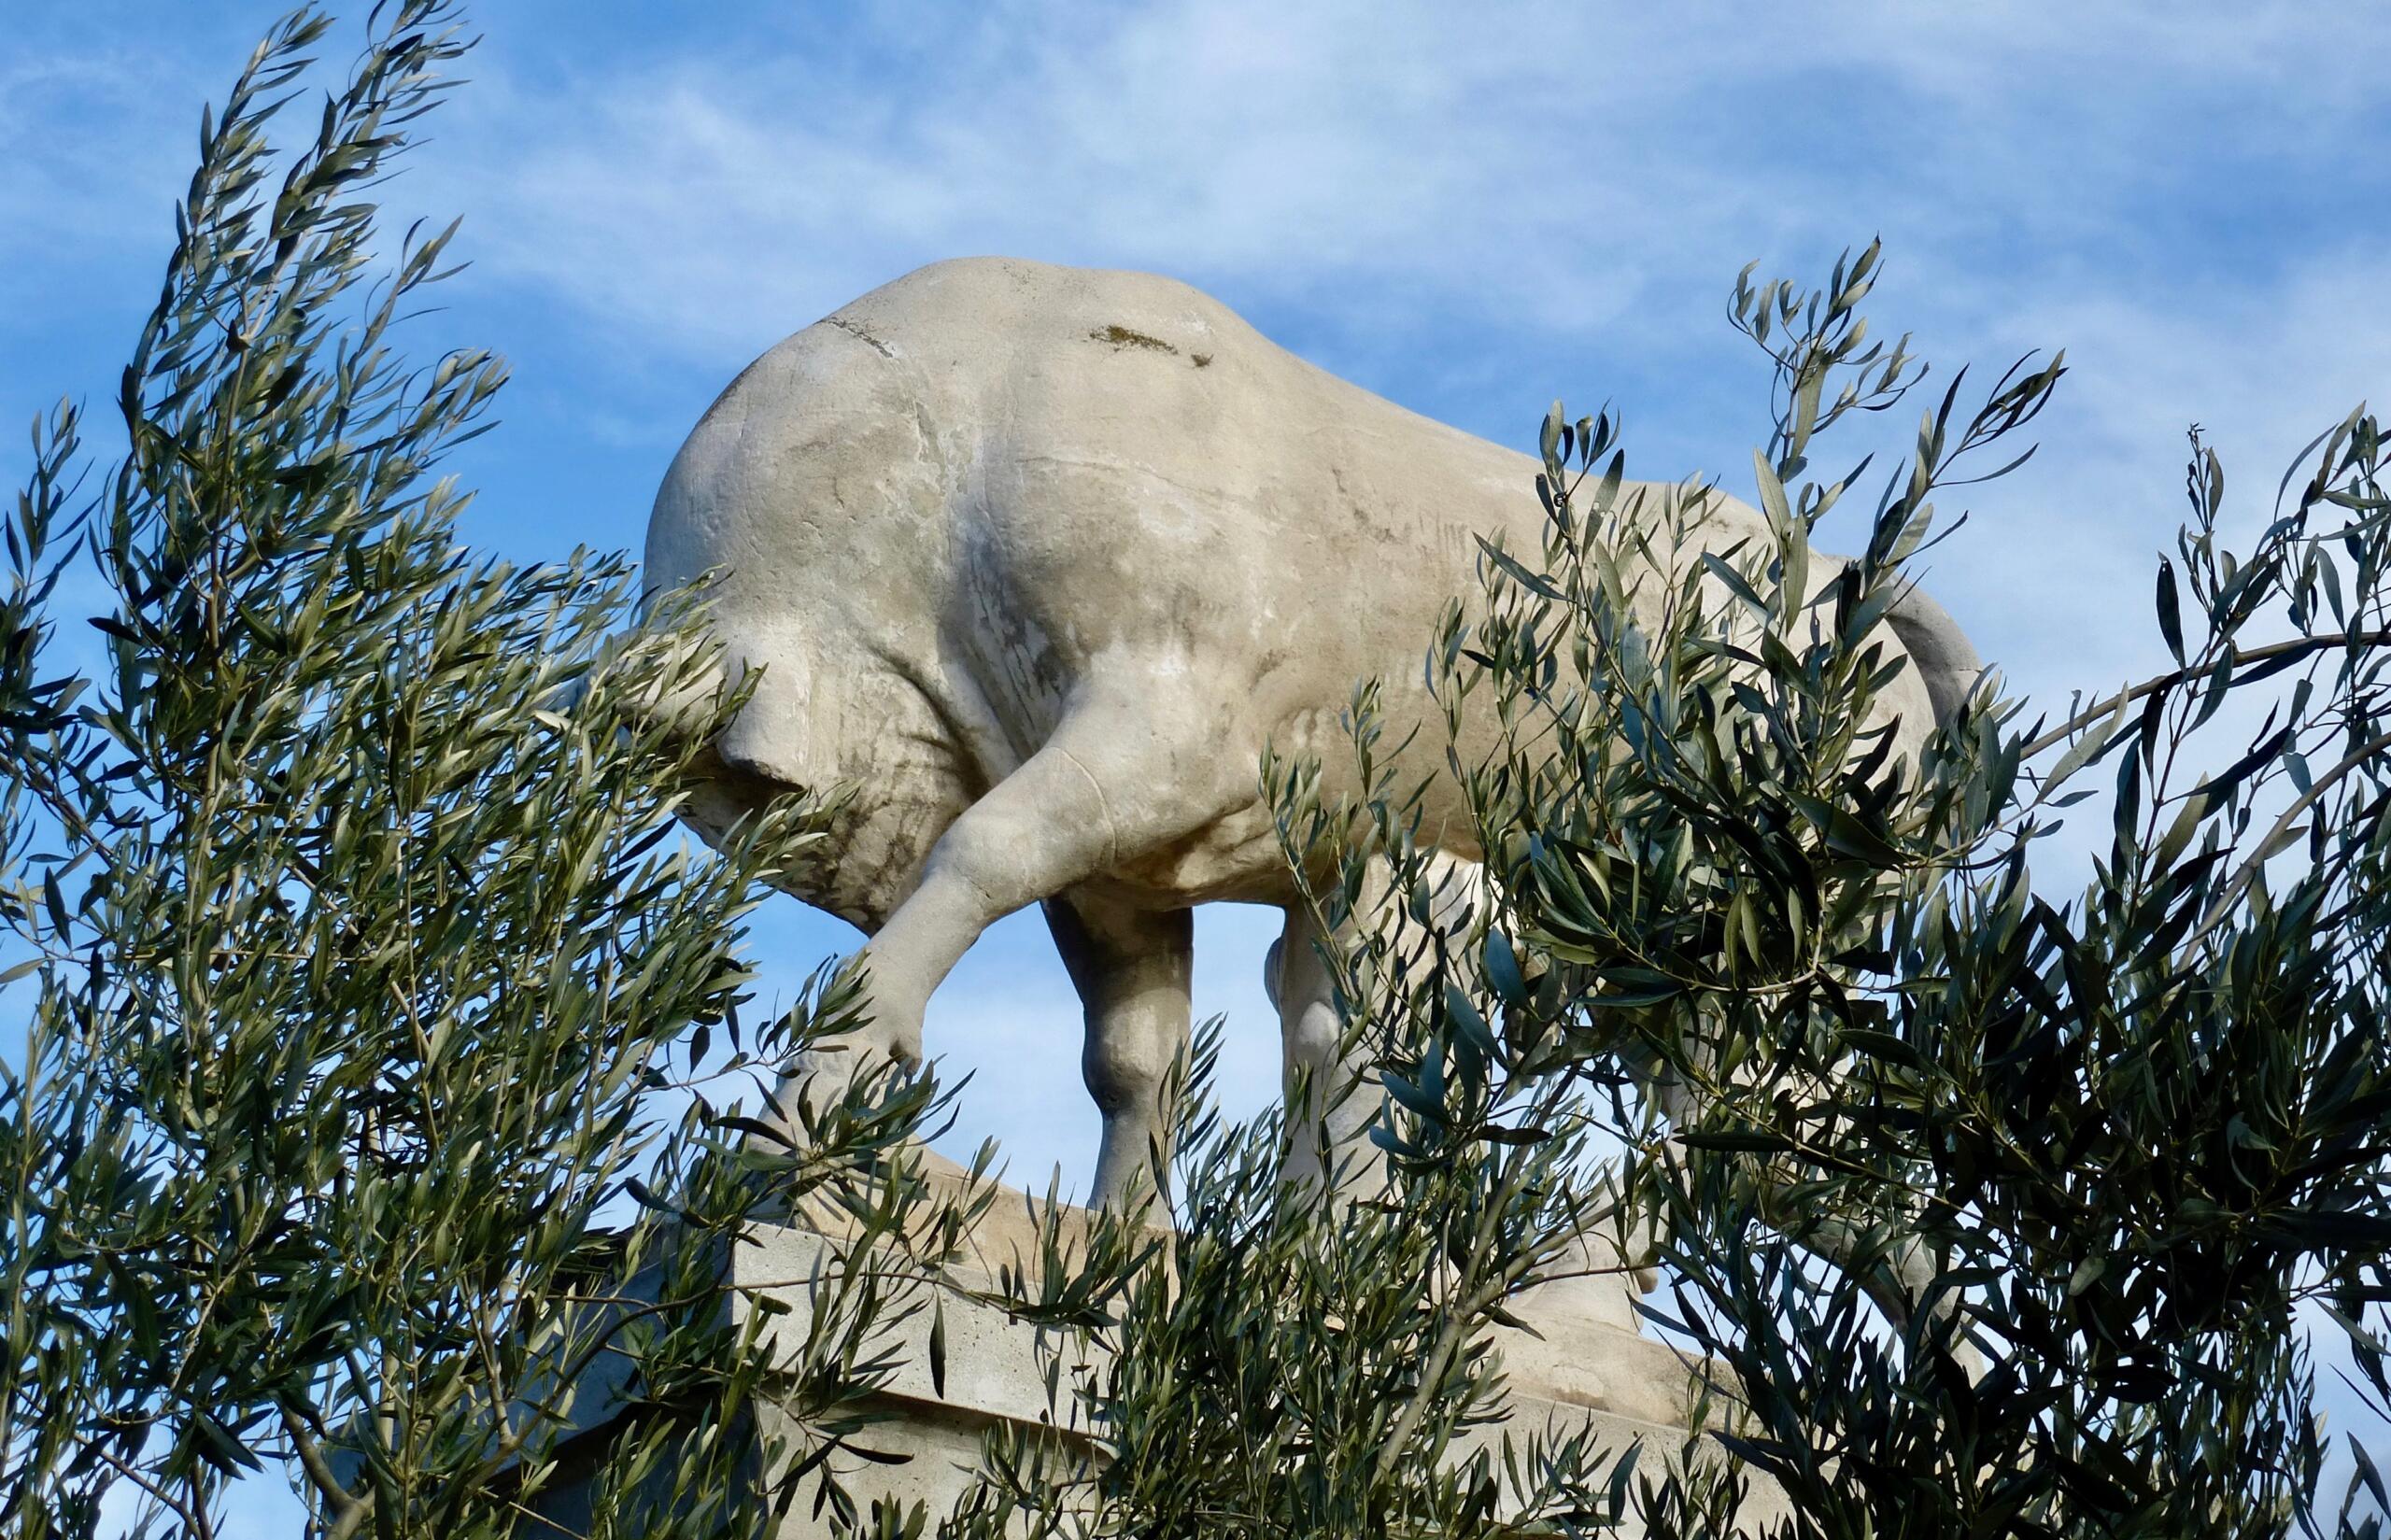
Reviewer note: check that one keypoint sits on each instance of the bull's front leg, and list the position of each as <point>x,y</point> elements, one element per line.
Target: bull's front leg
<point>1120,777</point>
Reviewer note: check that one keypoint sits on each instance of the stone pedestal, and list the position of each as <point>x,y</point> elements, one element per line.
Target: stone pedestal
<point>1591,1371</point>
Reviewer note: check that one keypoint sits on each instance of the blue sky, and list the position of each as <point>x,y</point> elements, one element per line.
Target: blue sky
<point>1469,209</point>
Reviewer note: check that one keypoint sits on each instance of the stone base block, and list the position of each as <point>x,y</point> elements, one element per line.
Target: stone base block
<point>1589,1373</point>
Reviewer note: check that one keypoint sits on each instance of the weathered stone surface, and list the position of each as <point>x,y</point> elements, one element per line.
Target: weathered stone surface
<point>1038,560</point>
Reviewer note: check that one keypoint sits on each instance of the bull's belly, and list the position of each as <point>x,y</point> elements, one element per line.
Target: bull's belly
<point>1234,859</point>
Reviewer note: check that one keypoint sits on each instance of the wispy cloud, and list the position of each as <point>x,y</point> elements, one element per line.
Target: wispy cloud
<point>1440,200</point>
<point>97,131</point>
<point>1531,162</point>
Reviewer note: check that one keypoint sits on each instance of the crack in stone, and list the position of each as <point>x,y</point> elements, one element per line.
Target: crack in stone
<point>856,332</point>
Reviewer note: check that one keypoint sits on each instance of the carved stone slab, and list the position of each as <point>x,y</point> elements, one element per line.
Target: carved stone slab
<point>1627,1387</point>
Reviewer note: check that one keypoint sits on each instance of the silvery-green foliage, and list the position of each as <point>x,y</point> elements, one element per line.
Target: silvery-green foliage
<point>1998,1211</point>
<point>365,977</point>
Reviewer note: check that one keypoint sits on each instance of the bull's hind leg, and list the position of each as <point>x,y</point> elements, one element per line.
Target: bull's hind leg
<point>1132,967</point>
<point>1330,1096</point>
<point>1329,1101</point>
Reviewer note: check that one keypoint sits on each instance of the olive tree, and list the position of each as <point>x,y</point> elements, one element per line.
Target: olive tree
<point>376,1011</point>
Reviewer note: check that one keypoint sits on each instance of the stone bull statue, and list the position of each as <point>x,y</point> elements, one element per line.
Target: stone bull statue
<point>1038,560</point>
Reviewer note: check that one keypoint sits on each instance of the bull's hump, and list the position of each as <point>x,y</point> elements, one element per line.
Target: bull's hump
<point>1096,431</point>
<point>1135,465</point>
<point>1009,315</point>
<point>985,284</point>
<point>1145,371</point>
<point>990,311</point>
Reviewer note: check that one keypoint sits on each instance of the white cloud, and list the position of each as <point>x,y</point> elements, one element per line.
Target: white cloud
<point>1529,163</point>
<point>97,139</point>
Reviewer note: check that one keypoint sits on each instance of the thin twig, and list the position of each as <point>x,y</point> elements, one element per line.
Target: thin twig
<point>2247,872</point>
<point>2090,715</point>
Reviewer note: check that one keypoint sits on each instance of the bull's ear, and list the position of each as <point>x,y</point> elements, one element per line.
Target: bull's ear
<point>1947,660</point>
<point>1270,971</point>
